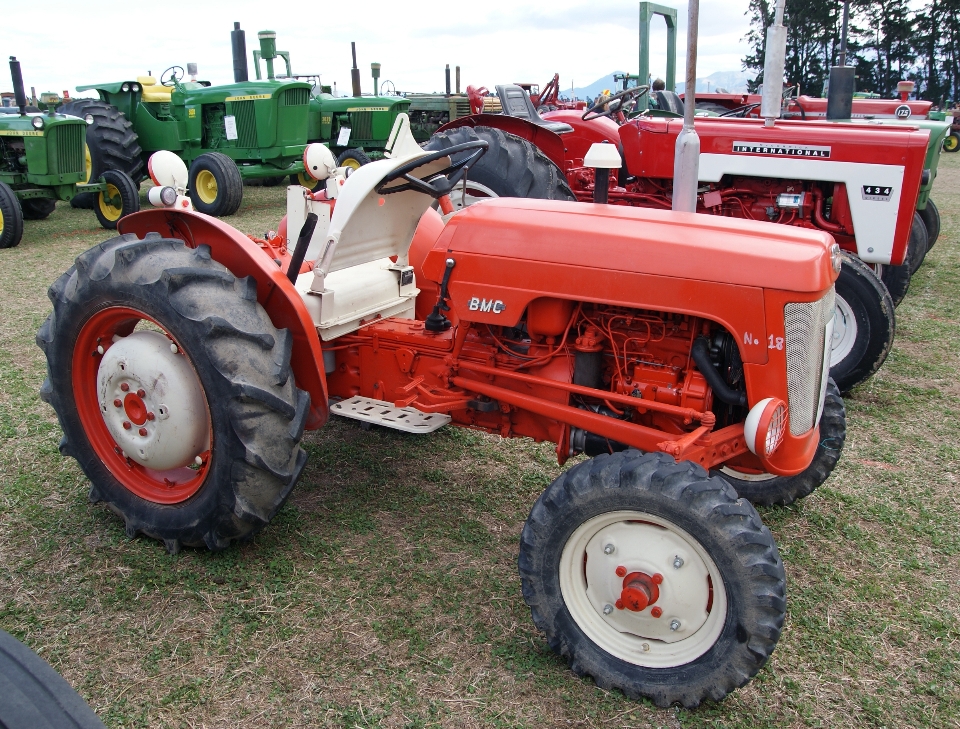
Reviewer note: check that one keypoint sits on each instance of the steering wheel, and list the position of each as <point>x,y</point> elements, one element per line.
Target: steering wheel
<point>615,104</point>
<point>740,111</point>
<point>176,75</point>
<point>439,183</point>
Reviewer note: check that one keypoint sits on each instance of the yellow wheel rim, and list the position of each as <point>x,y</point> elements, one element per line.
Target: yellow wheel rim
<point>206,186</point>
<point>1,222</point>
<point>951,142</point>
<point>305,180</point>
<point>87,163</point>
<point>110,212</point>
<point>351,163</point>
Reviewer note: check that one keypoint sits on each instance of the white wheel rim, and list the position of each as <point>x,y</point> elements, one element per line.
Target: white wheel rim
<point>743,476</point>
<point>654,546</point>
<point>161,420</point>
<point>844,332</point>
<point>475,193</point>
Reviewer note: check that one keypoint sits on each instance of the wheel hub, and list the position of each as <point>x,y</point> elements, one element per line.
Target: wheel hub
<point>844,331</point>
<point>152,402</point>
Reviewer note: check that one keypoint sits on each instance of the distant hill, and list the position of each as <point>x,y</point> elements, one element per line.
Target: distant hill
<point>733,81</point>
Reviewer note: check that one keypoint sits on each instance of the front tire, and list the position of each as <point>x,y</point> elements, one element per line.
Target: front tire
<point>951,143</point>
<point>11,218</point>
<point>895,278</point>
<point>122,197</point>
<point>353,159</point>
<point>37,208</point>
<point>919,244</point>
<point>221,453</point>
<point>721,589</point>
<point>864,326</point>
<point>304,180</point>
<point>216,187</point>
<point>931,220</point>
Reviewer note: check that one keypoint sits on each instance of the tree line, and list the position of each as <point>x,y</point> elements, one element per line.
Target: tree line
<point>887,42</point>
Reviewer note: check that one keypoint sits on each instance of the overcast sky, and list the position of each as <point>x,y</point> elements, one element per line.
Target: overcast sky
<point>64,43</point>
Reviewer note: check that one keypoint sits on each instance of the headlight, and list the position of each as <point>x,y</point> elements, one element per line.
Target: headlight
<point>37,122</point>
<point>135,87</point>
<point>125,87</point>
<point>765,426</point>
<point>835,258</point>
<point>88,118</point>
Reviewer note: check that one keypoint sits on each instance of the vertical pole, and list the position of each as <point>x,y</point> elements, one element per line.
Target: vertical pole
<point>686,158</point>
<point>448,79</point>
<point>643,71</point>
<point>355,71</point>
<point>671,79</point>
<point>771,104</point>
<point>843,34</point>
<point>458,80</point>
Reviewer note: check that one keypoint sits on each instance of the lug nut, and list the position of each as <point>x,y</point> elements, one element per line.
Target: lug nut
<point>646,647</point>
<point>118,403</point>
<point>124,386</point>
<point>609,549</point>
<point>141,392</point>
<point>657,578</point>
<point>607,609</point>
<point>621,571</point>
<point>126,425</point>
<point>656,612</point>
<point>142,431</point>
<point>99,349</point>
<point>173,348</point>
<point>677,562</point>
<point>150,416</point>
<point>674,625</point>
<point>198,460</point>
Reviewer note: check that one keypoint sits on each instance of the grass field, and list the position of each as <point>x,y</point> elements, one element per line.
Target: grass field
<point>386,591</point>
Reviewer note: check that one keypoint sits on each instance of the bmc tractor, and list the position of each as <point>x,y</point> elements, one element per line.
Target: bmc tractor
<point>185,361</point>
<point>42,161</point>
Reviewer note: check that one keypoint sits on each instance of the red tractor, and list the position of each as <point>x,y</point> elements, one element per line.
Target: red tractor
<point>685,352</point>
<point>858,183</point>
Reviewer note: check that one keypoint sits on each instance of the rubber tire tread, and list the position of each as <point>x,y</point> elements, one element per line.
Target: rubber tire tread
<point>37,208</point>
<point>12,232</point>
<point>129,197</point>
<point>354,153</point>
<point>918,245</point>
<point>784,490</point>
<point>35,696</point>
<point>229,184</point>
<point>897,281</point>
<point>876,323</point>
<point>511,166</point>
<point>112,141</point>
<point>729,529</point>
<point>931,220</point>
<point>243,364</point>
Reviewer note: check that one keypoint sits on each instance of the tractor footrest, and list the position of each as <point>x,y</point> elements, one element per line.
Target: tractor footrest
<point>378,412</point>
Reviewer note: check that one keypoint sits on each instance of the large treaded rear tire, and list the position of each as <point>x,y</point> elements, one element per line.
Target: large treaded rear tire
<point>35,696</point>
<point>242,363</point>
<point>112,142</point>
<point>647,489</point>
<point>511,167</point>
<point>783,490</point>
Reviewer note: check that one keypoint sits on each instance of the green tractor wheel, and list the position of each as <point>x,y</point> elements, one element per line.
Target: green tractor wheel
<point>304,180</point>
<point>951,143</point>
<point>121,197</point>
<point>216,187</point>
<point>11,218</point>
<point>37,208</point>
<point>353,159</point>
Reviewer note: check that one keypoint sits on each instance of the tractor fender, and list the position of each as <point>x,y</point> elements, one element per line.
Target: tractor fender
<point>275,293</point>
<point>550,143</point>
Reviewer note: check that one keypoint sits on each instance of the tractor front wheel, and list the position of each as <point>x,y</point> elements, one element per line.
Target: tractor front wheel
<point>634,566</point>
<point>121,198</point>
<point>931,220</point>
<point>951,143</point>
<point>11,218</point>
<point>895,278</point>
<point>768,490</point>
<point>174,391</point>
<point>216,187</point>
<point>37,208</point>
<point>304,180</point>
<point>919,244</point>
<point>353,159</point>
<point>864,325</point>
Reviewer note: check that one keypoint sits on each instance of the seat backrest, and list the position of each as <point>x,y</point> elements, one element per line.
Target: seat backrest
<point>516,102</point>
<point>670,101</point>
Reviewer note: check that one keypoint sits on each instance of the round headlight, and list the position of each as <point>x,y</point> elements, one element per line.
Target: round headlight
<point>125,87</point>
<point>835,258</point>
<point>37,122</point>
<point>88,118</point>
<point>765,426</point>
<point>135,87</point>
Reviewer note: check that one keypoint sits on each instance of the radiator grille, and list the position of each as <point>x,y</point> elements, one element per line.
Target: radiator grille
<point>295,97</point>
<point>69,140</point>
<point>808,359</point>
<point>246,123</point>
<point>361,125</point>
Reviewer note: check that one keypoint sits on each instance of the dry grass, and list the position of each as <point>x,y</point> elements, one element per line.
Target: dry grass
<point>386,593</point>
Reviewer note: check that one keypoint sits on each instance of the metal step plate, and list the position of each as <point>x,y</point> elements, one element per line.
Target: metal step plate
<point>378,412</point>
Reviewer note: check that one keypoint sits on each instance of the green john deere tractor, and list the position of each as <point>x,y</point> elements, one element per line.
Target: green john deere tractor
<point>225,134</point>
<point>42,161</point>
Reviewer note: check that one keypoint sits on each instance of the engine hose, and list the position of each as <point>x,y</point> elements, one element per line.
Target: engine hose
<point>701,356</point>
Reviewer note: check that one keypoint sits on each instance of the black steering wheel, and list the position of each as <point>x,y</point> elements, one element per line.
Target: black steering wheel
<point>439,183</point>
<point>616,103</point>
<point>176,74</point>
<point>740,111</point>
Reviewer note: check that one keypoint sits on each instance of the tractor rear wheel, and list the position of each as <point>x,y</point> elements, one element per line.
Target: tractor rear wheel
<point>112,144</point>
<point>511,167</point>
<point>919,244</point>
<point>37,208</point>
<point>864,326</point>
<point>121,198</point>
<point>769,490</point>
<point>636,569</point>
<point>931,219</point>
<point>216,187</point>
<point>11,217</point>
<point>174,391</point>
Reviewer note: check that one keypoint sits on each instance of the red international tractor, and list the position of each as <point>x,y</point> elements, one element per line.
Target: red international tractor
<point>684,352</point>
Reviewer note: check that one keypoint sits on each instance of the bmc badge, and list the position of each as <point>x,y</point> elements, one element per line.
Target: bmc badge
<point>486,305</point>
<point>903,112</point>
<point>876,193</point>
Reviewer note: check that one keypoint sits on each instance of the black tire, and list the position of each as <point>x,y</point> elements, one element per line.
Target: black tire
<point>783,490</point>
<point>353,158</point>
<point>11,218</point>
<point>304,180</point>
<point>678,496</point>
<point>951,143</point>
<point>120,189</point>
<point>220,189</point>
<point>895,278</point>
<point>272,181</point>
<point>37,208</point>
<point>111,141</point>
<point>931,220</point>
<point>35,696</point>
<point>864,327</point>
<point>918,245</point>
<point>511,167</point>
<point>241,365</point>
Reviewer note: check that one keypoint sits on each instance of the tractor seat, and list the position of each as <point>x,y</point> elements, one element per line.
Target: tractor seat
<point>517,103</point>
<point>669,101</point>
<point>152,91</point>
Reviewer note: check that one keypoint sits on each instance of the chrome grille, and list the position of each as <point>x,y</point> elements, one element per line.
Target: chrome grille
<point>808,359</point>
<point>246,123</point>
